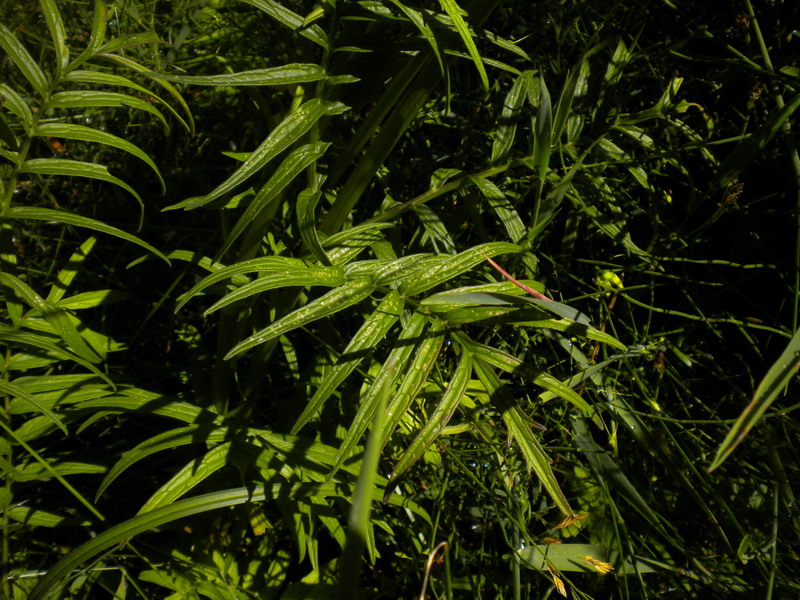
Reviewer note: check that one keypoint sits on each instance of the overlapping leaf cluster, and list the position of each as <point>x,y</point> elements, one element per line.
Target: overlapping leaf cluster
<point>359,372</point>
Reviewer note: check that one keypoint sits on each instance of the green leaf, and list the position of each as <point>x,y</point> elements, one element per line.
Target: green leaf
<point>294,164</point>
<point>56,27</point>
<point>419,22</point>
<point>284,135</point>
<point>67,274</point>
<point>75,168</point>
<point>55,316</point>
<point>308,276</point>
<point>542,130</point>
<point>17,105</point>
<point>13,390</point>
<point>168,440</point>
<point>268,264</point>
<point>455,12</point>
<point>291,20</point>
<point>98,99</point>
<point>391,369</point>
<point>519,430</point>
<point>23,61</point>
<point>448,267</point>
<point>291,74</point>
<point>189,476</point>
<point>306,221</point>
<point>774,382</point>
<point>350,293</point>
<point>437,420</point>
<point>362,344</point>
<point>425,356</point>
<point>47,214</point>
<point>504,210</point>
<point>87,134</point>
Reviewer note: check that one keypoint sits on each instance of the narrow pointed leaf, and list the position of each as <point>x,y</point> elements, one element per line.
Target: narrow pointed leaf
<point>48,214</point>
<point>23,61</point>
<point>455,12</point>
<point>284,135</point>
<point>56,27</point>
<point>391,369</point>
<point>450,266</point>
<point>774,382</point>
<point>350,293</point>
<point>294,164</point>
<point>67,274</point>
<point>361,346</point>
<point>519,430</point>
<point>437,420</point>
<point>309,276</point>
<point>268,264</point>
<point>98,99</point>
<point>13,390</point>
<point>291,74</point>
<point>75,168</point>
<point>291,20</point>
<point>307,222</point>
<point>87,134</point>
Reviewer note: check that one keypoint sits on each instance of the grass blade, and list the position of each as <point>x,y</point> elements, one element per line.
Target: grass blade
<point>777,378</point>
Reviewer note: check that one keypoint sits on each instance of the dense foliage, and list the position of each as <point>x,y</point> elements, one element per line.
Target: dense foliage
<point>469,299</point>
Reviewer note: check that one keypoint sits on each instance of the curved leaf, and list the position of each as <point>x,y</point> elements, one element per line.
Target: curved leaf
<point>310,276</point>
<point>24,61</point>
<point>350,293</point>
<point>361,345</point>
<point>48,214</point>
<point>284,135</point>
<point>98,99</point>
<point>87,134</point>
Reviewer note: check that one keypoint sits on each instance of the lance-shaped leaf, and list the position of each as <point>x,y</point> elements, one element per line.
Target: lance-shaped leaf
<point>307,221</point>
<point>55,316</point>
<point>290,74</point>
<point>777,378</point>
<point>361,345</point>
<point>267,264</point>
<point>191,475</point>
<point>56,27</point>
<point>542,131</point>
<point>519,430</point>
<point>284,135</point>
<point>391,369</point>
<point>350,293</point>
<point>507,123</point>
<point>168,440</point>
<point>48,214</point>
<point>87,134</point>
<point>98,99</point>
<point>307,276</point>
<point>456,14</point>
<point>437,420</point>
<point>291,20</point>
<point>17,105</point>
<point>294,164</point>
<point>414,378</point>
<point>23,61</point>
<point>66,275</point>
<point>75,168</point>
<point>448,267</point>
<point>14,391</point>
